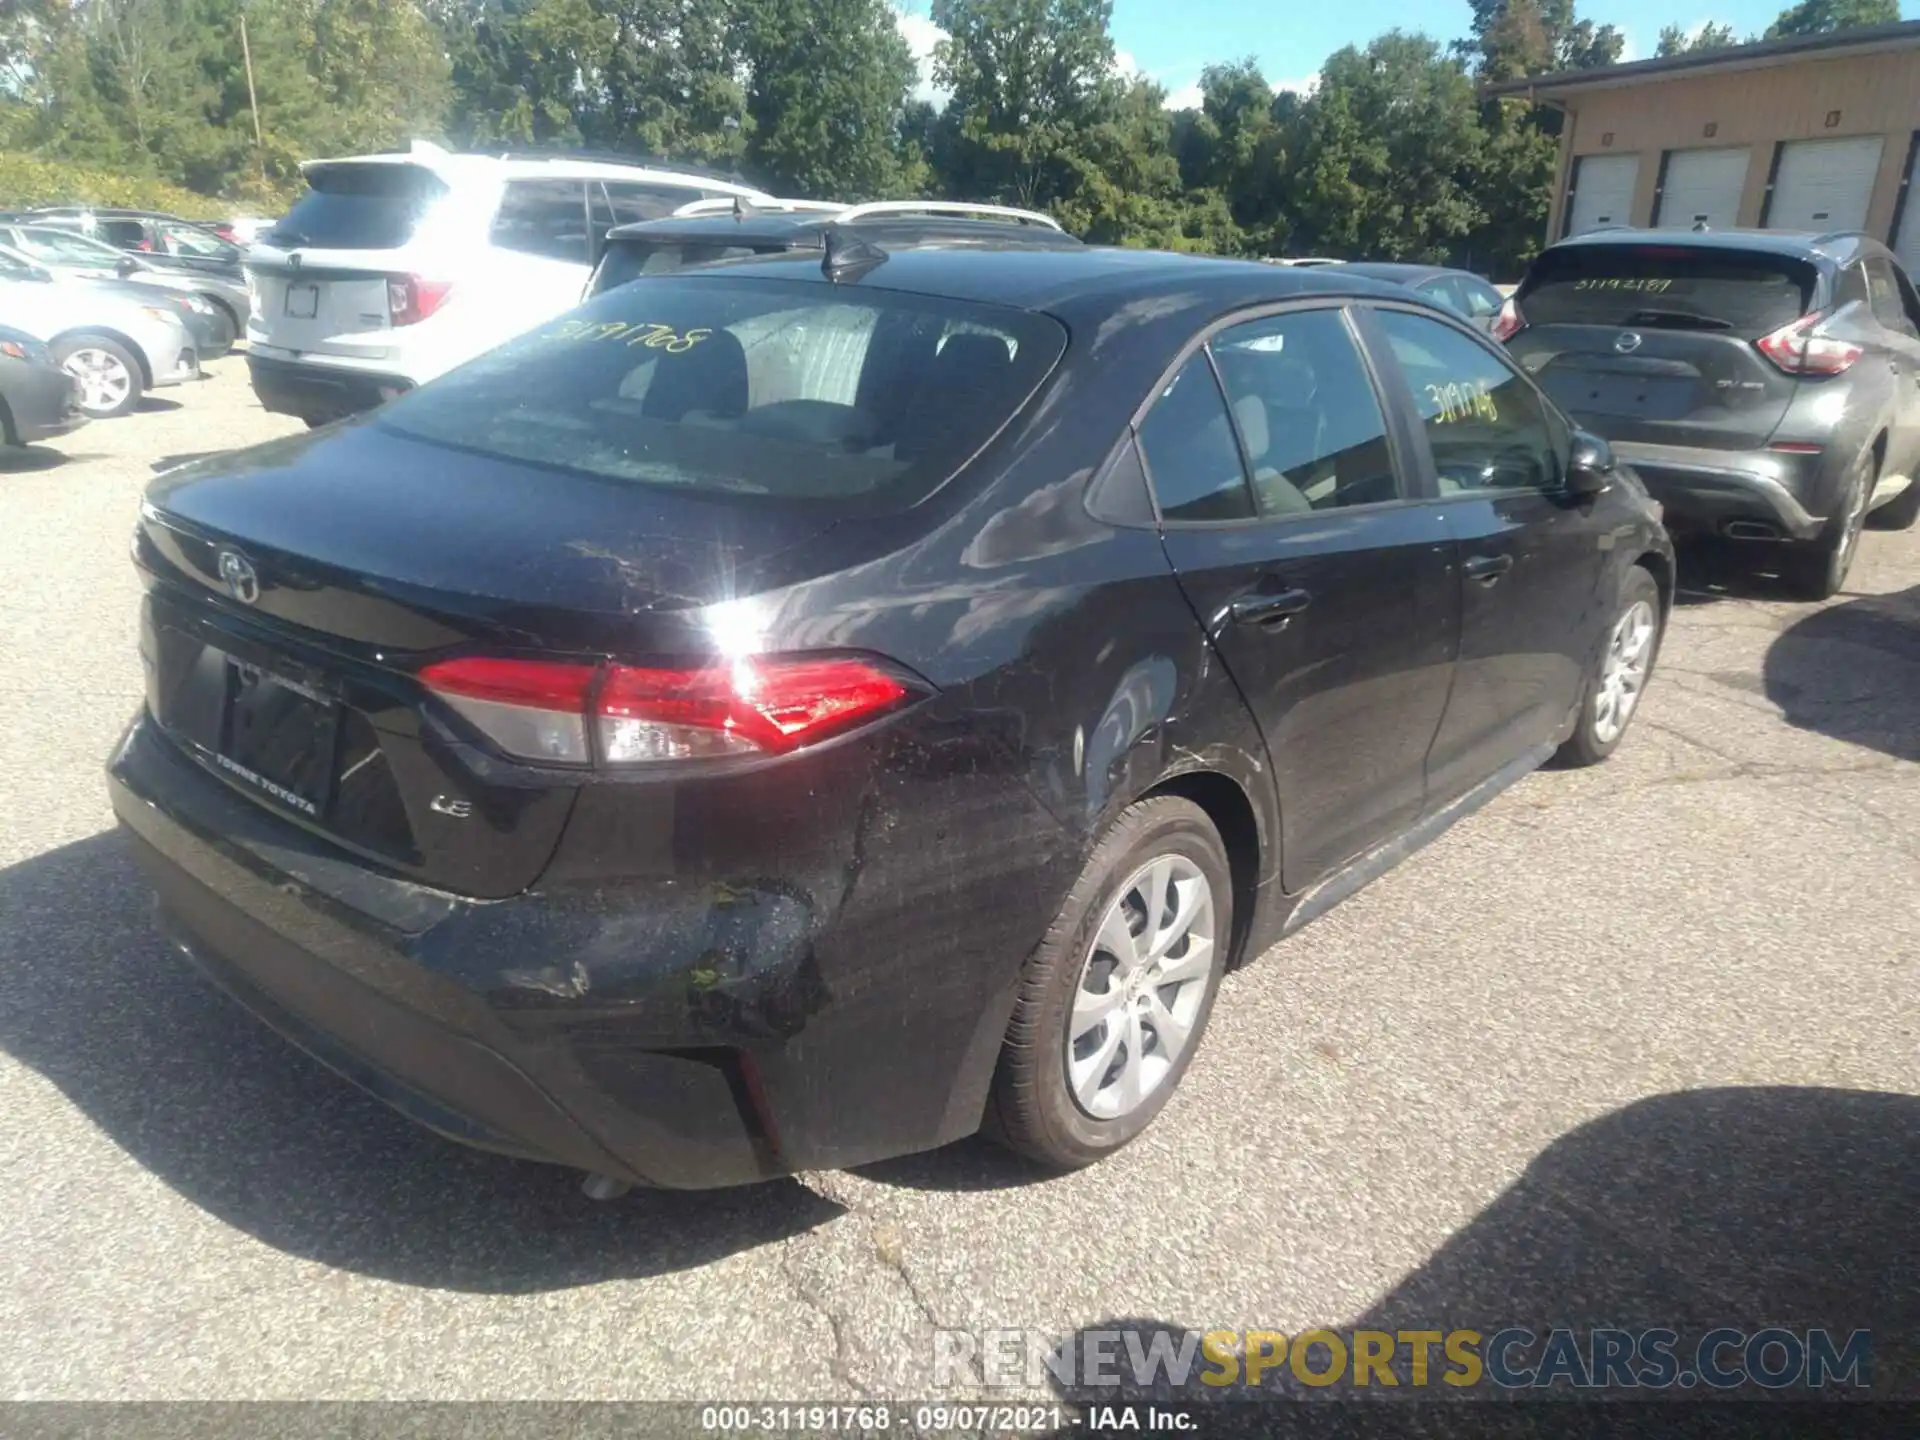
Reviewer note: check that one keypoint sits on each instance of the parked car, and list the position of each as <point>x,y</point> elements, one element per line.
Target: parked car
<point>206,324</point>
<point>1305,260</point>
<point>38,400</point>
<point>164,241</point>
<point>796,710</point>
<point>1762,382</point>
<point>69,252</point>
<point>709,231</point>
<point>1461,291</point>
<point>393,269</point>
<point>242,230</point>
<point>116,345</point>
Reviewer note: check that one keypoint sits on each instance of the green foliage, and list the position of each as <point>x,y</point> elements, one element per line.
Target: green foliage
<point>27,181</point>
<point>1393,155</point>
<point>1821,17</point>
<point>1675,40</point>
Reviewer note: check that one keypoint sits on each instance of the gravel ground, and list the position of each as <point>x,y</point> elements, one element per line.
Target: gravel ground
<point>1634,1044</point>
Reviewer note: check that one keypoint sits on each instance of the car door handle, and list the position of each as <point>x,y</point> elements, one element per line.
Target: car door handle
<point>1488,568</point>
<point>1268,609</point>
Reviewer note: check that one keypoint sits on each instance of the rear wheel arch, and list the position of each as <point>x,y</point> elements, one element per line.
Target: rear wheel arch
<point>7,428</point>
<point>1230,809</point>
<point>101,332</point>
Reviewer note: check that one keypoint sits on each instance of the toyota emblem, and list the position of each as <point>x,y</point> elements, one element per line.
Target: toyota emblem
<point>239,576</point>
<point>1626,342</point>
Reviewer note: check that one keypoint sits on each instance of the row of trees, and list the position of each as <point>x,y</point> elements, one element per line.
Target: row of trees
<point>1393,154</point>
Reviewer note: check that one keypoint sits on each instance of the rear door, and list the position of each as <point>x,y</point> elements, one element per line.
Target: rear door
<point>1325,589</point>
<point>1655,343</point>
<point>1531,558</point>
<point>1900,334</point>
<point>321,276</point>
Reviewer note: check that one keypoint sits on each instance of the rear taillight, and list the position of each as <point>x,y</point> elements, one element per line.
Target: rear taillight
<point>1509,322</point>
<point>411,299</point>
<point>766,705</point>
<point>1798,351</point>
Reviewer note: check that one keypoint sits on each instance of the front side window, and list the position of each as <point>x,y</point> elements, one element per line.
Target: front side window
<point>1306,413</point>
<point>1486,426</point>
<point>186,240</point>
<point>1192,456</point>
<point>543,217</point>
<point>748,387</point>
<point>127,234</point>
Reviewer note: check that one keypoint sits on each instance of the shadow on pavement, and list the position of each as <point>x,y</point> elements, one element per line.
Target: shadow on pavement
<point>1744,1208</point>
<point>1852,671</point>
<point>26,459</point>
<point>971,1164</point>
<point>247,1127</point>
<point>1711,569</point>
<point>156,405</point>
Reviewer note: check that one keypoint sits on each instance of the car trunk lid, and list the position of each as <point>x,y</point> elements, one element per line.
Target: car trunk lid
<point>1656,344</point>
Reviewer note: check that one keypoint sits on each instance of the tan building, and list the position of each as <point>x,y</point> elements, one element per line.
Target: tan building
<point>1817,133</point>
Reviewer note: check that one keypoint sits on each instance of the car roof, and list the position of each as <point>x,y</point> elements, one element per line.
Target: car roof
<point>807,231</point>
<point>511,166</point>
<point>1403,274</point>
<point>1837,245</point>
<point>1091,284</point>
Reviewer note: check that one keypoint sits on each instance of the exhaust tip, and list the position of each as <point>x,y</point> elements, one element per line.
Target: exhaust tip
<point>1750,530</point>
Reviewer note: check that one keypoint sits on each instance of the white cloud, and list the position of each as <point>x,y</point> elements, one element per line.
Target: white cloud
<point>921,35</point>
<point>1184,97</point>
<point>1305,85</point>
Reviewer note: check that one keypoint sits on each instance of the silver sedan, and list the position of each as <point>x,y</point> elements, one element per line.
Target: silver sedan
<point>117,347</point>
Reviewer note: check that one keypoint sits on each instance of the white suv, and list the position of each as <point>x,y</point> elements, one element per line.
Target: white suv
<point>392,269</point>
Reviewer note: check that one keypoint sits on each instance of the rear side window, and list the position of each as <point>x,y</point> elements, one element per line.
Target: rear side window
<point>1884,292</point>
<point>1192,455</point>
<point>543,217</point>
<point>753,387</point>
<point>359,207</point>
<point>127,234</point>
<point>630,259</point>
<point>1667,287</point>
<point>633,202</point>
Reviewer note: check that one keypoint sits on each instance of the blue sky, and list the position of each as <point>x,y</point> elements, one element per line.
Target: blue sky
<point>1170,40</point>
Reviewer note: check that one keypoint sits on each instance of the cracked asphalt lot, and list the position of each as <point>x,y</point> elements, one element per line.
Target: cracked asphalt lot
<point>1638,1043</point>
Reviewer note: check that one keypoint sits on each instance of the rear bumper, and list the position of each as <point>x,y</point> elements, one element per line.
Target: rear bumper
<point>44,403</point>
<point>319,393</point>
<point>1725,491</point>
<point>719,1057</point>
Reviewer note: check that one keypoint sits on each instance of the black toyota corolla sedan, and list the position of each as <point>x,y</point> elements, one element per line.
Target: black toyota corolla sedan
<point>807,709</point>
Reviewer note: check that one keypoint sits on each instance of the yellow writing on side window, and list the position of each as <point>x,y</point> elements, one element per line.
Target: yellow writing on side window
<point>1461,400</point>
<point>641,332</point>
<point>1641,285</point>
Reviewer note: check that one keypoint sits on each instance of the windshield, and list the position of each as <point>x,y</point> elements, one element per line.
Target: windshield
<point>1667,286</point>
<point>629,259</point>
<point>60,246</point>
<point>786,389</point>
<point>358,207</point>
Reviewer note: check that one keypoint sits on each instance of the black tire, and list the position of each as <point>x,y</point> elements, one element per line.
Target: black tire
<point>1032,1109</point>
<point>1591,741</point>
<point>1900,512</point>
<point>72,345</point>
<point>1816,569</point>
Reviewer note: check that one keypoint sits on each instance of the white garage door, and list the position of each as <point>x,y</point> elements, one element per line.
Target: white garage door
<point>1602,192</point>
<point>1703,188</point>
<point>1824,184</point>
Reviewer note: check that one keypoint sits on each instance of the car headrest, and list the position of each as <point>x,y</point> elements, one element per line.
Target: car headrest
<point>1250,414</point>
<point>711,377</point>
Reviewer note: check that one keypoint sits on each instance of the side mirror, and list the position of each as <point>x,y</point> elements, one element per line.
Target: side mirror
<point>1589,465</point>
<point>129,266</point>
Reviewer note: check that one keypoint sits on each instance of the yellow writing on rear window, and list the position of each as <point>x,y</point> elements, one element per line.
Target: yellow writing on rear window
<point>1644,285</point>
<point>641,332</point>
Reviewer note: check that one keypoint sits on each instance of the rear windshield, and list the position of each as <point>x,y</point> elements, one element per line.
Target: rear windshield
<point>1672,287</point>
<point>630,259</point>
<point>358,207</point>
<point>734,385</point>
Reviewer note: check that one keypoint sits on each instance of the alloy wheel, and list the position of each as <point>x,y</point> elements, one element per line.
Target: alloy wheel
<point>1623,671</point>
<point>1141,988</point>
<point>104,379</point>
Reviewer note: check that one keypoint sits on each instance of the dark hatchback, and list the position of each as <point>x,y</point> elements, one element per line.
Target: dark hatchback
<point>38,400</point>
<point>1765,384</point>
<point>775,719</point>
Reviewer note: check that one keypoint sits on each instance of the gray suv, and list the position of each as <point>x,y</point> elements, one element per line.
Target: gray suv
<point>1764,384</point>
